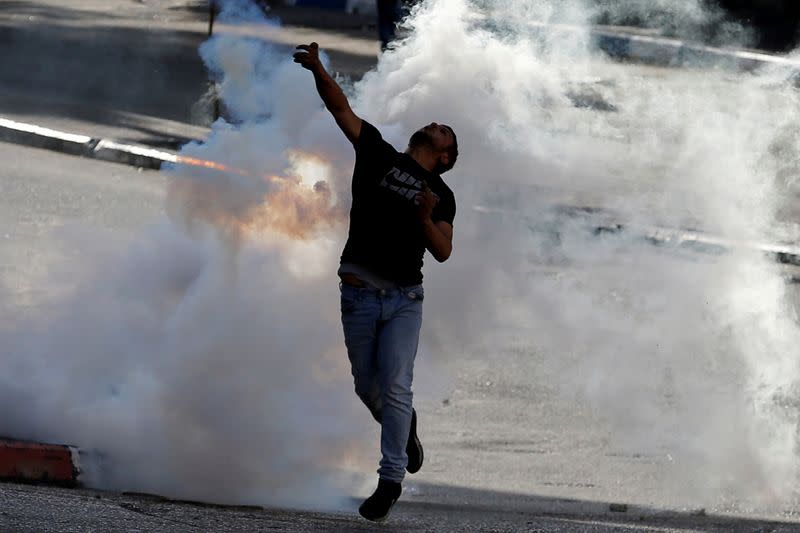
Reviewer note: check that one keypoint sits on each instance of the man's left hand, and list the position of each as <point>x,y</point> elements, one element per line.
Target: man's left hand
<point>426,201</point>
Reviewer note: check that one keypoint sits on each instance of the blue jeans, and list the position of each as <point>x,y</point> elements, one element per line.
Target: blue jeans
<point>381,332</point>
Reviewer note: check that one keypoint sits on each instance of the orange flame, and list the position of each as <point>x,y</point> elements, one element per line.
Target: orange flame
<point>205,163</point>
<point>290,207</point>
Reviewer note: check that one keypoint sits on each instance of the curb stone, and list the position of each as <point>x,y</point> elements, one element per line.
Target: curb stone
<point>664,51</point>
<point>694,241</point>
<point>83,145</point>
<point>671,52</point>
<point>32,462</point>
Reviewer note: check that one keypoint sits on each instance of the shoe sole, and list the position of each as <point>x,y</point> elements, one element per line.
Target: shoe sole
<point>417,445</point>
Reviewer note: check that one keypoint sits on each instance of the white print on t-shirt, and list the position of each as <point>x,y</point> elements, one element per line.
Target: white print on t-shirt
<point>403,184</point>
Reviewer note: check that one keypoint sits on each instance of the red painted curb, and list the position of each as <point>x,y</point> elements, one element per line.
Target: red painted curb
<point>32,462</point>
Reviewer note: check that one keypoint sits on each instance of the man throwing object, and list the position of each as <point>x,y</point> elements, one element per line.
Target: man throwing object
<point>401,207</point>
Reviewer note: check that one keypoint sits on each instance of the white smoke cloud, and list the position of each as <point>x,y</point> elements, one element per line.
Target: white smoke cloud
<point>203,358</point>
<point>683,354</point>
<point>197,359</point>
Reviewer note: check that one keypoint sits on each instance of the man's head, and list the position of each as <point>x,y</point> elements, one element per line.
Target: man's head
<point>441,141</point>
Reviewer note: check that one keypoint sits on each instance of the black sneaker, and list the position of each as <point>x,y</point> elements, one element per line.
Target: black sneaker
<point>377,506</point>
<point>414,447</point>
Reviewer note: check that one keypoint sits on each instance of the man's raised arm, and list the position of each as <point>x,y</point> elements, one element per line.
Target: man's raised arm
<point>330,92</point>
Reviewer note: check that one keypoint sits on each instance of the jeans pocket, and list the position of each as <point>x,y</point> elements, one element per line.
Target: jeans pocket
<point>349,299</point>
<point>415,294</point>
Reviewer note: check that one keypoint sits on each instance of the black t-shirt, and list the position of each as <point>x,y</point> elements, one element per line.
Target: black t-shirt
<point>385,234</point>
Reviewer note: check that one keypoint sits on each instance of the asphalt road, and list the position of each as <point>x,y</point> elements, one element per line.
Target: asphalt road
<point>42,193</point>
<point>31,509</point>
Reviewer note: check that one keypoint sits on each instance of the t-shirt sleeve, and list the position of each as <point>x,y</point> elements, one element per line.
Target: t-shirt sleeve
<point>370,144</point>
<point>445,210</point>
<point>373,154</point>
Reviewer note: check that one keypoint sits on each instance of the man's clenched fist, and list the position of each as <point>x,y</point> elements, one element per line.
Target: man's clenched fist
<point>309,57</point>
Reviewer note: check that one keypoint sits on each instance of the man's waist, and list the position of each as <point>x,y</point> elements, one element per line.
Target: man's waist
<point>354,286</point>
<point>359,276</point>
<point>352,280</point>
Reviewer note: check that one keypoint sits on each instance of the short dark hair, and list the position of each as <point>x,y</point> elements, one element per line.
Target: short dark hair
<point>452,151</point>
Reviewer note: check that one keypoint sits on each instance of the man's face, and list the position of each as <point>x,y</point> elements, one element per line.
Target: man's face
<point>437,136</point>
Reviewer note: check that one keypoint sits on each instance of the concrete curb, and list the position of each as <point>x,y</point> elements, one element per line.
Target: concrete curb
<point>83,145</point>
<point>694,241</point>
<point>663,51</point>
<point>668,52</point>
<point>32,462</point>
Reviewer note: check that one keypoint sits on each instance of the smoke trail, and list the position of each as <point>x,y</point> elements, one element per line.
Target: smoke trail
<point>202,360</point>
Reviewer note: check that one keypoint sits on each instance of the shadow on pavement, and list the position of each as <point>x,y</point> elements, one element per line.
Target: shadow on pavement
<point>23,9</point>
<point>434,508</point>
<point>563,514</point>
<point>152,72</point>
